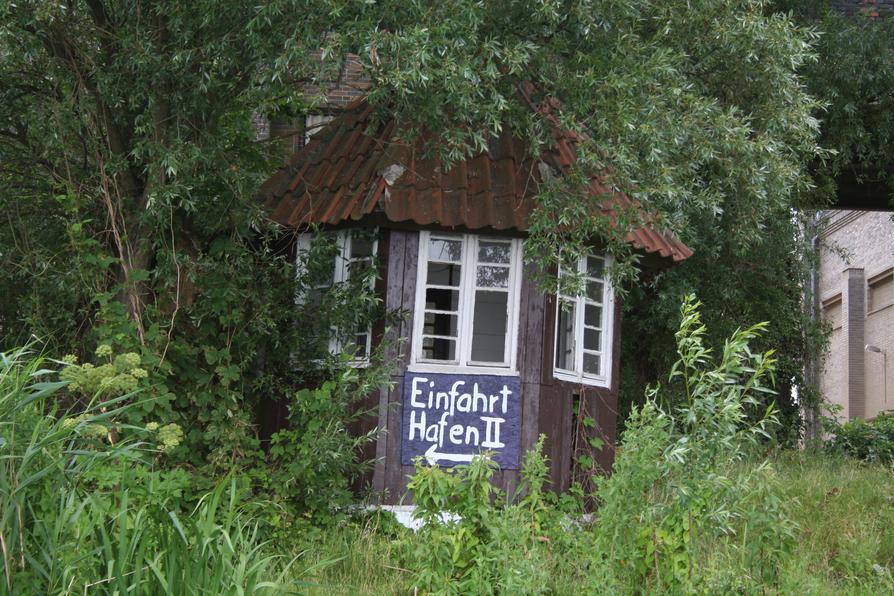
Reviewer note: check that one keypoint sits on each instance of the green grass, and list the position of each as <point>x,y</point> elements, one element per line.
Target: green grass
<point>845,510</point>
<point>844,542</point>
<point>363,557</point>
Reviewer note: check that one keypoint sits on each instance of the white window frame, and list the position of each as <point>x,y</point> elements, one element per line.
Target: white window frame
<point>314,123</point>
<point>607,324</point>
<point>464,364</point>
<point>340,273</point>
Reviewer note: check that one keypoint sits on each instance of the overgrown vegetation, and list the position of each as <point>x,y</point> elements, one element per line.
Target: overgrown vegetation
<point>83,509</point>
<point>133,241</point>
<point>694,503</point>
<point>871,441</point>
<point>700,501</point>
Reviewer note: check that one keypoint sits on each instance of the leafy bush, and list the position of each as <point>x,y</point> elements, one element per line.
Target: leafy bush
<point>313,463</point>
<point>81,513</point>
<point>675,482</point>
<point>475,541</point>
<point>871,441</point>
<point>42,459</point>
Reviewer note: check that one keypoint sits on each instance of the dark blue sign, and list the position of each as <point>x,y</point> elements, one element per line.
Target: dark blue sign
<point>448,419</point>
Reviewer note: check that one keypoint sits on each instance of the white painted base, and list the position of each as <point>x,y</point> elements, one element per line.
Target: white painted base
<point>405,515</point>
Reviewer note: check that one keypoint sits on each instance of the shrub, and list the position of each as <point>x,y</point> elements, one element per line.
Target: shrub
<point>871,441</point>
<point>476,541</point>
<point>42,459</point>
<point>313,463</point>
<point>80,513</point>
<point>675,482</point>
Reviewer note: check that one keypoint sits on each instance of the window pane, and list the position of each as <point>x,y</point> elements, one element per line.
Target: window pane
<point>437,348</point>
<point>494,252</point>
<point>592,364</point>
<point>439,299</point>
<point>593,315</point>
<point>592,339</point>
<point>361,343</point>
<point>595,266</point>
<point>361,247</point>
<point>357,269</point>
<point>440,324</point>
<point>442,274</point>
<point>492,277</point>
<point>594,291</point>
<point>315,296</point>
<point>489,326</point>
<point>445,250</point>
<point>565,336</point>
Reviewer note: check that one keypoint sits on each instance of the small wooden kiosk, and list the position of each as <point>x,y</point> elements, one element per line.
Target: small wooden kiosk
<point>488,361</point>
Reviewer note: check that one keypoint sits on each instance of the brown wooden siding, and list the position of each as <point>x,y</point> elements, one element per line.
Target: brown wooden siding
<point>547,403</point>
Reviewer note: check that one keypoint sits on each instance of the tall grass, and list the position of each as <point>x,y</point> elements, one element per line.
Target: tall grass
<point>39,462</point>
<point>845,510</point>
<point>59,535</point>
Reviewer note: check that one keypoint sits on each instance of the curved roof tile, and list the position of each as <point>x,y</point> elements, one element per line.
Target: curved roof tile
<point>354,167</point>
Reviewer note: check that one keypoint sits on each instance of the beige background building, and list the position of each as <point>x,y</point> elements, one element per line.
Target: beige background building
<point>856,290</point>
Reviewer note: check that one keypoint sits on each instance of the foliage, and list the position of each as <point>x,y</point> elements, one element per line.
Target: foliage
<point>853,77</point>
<point>843,527</point>
<point>129,170</point>
<point>846,539</point>
<point>314,462</point>
<point>673,486</point>
<point>871,441</point>
<point>696,109</point>
<point>42,457</point>
<point>475,541</point>
<point>78,513</point>
<point>129,163</point>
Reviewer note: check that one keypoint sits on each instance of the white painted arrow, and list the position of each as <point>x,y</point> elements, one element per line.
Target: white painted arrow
<point>433,456</point>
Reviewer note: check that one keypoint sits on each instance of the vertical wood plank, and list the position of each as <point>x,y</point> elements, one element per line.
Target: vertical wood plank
<point>530,429</point>
<point>523,305</point>
<point>408,292</point>
<point>565,399</point>
<point>547,425</point>
<point>392,450</point>
<point>548,339</point>
<point>531,366</point>
<point>391,254</point>
<point>404,298</point>
<point>393,258</point>
<point>395,285</point>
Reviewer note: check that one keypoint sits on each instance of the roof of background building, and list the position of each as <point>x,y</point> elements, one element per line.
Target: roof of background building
<point>355,167</point>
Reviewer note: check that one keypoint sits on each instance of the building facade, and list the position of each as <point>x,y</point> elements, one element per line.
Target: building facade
<point>856,291</point>
<point>486,359</point>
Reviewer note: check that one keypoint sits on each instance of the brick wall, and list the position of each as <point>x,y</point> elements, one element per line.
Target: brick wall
<point>857,268</point>
<point>871,8</point>
<point>349,84</point>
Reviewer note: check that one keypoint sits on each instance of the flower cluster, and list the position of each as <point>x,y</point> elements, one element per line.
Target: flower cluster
<point>168,436</point>
<point>119,375</point>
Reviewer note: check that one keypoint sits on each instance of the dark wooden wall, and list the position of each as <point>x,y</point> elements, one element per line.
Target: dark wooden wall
<point>547,403</point>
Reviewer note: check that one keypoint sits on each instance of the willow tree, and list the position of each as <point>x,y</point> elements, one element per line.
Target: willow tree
<point>129,163</point>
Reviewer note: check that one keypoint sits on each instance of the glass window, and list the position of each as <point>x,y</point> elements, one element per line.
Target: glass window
<point>583,326</point>
<point>466,299</point>
<point>354,253</point>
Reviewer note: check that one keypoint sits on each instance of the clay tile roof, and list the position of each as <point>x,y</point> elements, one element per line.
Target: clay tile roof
<point>354,167</point>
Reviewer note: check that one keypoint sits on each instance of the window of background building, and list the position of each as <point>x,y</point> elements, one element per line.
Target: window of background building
<point>881,291</point>
<point>355,251</point>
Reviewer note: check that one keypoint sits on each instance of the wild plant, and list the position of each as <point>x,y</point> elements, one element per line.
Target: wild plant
<point>42,458</point>
<point>75,517</point>
<point>675,485</point>
<point>476,541</point>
